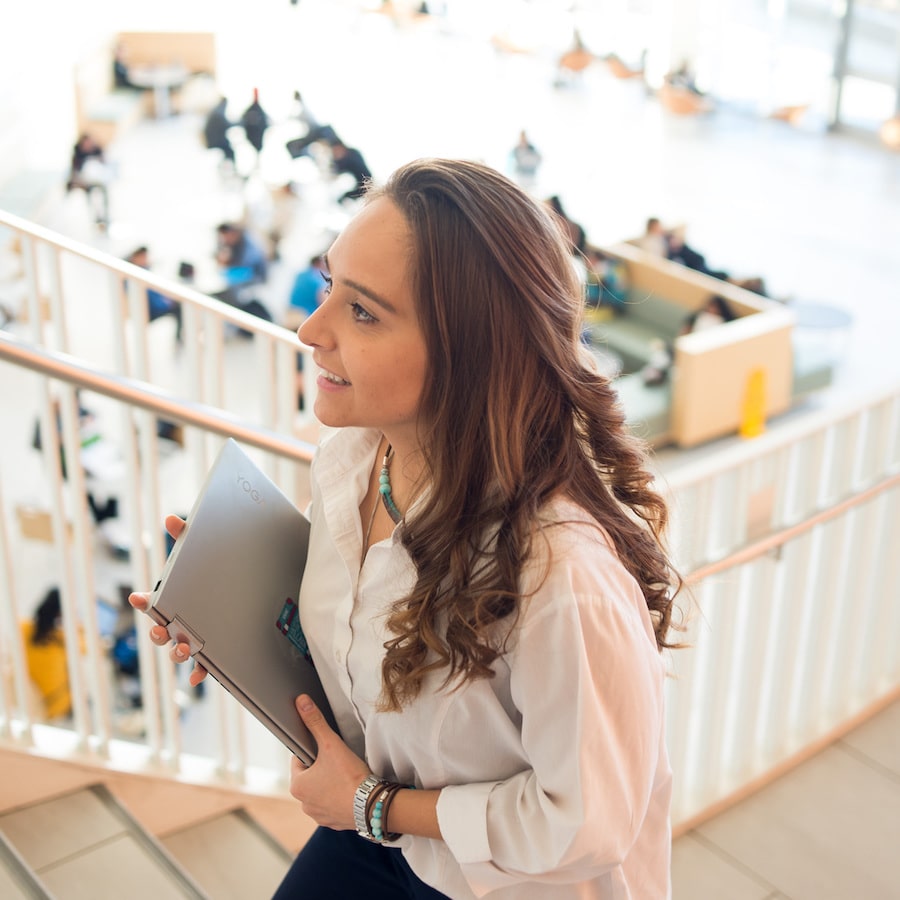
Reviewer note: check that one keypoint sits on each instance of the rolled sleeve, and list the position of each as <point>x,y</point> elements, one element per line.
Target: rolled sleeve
<point>591,725</point>
<point>462,816</point>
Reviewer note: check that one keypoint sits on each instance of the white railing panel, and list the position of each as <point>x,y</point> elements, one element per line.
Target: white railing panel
<point>848,614</point>
<point>13,672</point>
<point>795,637</point>
<point>797,625</point>
<point>791,595</point>
<point>146,496</point>
<point>890,603</point>
<point>756,602</point>
<point>810,466</point>
<point>681,689</point>
<point>869,522</point>
<point>685,520</point>
<point>877,600</point>
<point>709,693</point>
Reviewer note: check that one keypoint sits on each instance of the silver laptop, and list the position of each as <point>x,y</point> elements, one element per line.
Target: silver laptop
<point>229,590</point>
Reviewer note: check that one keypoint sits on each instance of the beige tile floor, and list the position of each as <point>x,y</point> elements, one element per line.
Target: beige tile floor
<point>817,215</point>
<point>826,830</point>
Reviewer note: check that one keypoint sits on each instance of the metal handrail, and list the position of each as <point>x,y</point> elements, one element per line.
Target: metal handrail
<point>827,480</point>
<point>178,290</point>
<point>781,537</point>
<point>139,393</point>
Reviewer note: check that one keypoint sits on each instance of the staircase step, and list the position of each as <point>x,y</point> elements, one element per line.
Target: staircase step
<point>85,846</point>
<point>230,856</point>
<point>17,880</point>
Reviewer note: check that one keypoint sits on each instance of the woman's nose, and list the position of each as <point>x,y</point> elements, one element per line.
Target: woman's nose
<point>312,330</point>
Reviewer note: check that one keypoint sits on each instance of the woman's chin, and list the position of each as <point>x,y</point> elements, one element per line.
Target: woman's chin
<point>327,415</point>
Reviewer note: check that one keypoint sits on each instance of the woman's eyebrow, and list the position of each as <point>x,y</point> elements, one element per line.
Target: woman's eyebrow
<point>367,292</point>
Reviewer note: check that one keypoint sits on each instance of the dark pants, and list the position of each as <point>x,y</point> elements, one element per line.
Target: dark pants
<point>335,865</point>
<point>174,311</point>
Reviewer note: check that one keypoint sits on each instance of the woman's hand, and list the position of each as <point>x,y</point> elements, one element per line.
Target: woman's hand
<point>140,600</point>
<point>327,788</point>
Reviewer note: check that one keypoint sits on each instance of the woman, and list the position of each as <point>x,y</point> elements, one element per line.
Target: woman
<point>486,596</point>
<point>46,658</point>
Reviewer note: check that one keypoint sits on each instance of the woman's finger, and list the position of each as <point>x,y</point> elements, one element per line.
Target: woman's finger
<point>140,600</point>
<point>174,525</point>
<point>159,635</point>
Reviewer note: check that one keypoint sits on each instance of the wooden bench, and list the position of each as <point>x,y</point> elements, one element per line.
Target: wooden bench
<point>184,61</point>
<point>101,109</point>
<point>195,50</point>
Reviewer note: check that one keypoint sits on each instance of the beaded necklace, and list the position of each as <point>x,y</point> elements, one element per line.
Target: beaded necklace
<point>384,488</point>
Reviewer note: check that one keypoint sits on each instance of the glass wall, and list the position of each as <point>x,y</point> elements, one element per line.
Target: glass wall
<point>839,60</point>
<point>868,70</point>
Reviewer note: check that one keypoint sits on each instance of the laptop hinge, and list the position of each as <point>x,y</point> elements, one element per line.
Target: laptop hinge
<point>181,633</point>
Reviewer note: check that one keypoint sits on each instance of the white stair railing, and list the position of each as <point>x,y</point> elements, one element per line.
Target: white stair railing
<point>240,743</point>
<point>789,540</point>
<point>81,305</point>
<point>790,543</point>
<point>85,303</point>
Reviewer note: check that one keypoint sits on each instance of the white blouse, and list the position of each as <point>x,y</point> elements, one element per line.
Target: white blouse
<point>554,774</point>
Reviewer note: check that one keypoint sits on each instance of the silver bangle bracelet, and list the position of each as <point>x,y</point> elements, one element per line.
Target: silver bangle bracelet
<point>360,801</point>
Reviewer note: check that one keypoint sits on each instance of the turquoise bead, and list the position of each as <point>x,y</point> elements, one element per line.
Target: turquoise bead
<point>384,487</point>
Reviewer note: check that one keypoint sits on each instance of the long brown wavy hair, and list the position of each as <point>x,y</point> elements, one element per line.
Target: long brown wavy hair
<point>511,416</point>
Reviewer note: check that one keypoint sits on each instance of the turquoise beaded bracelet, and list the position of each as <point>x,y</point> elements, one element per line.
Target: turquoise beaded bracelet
<point>378,811</point>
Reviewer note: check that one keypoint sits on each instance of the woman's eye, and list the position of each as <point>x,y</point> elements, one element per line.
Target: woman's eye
<point>361,314</point>
<point>328,285</point>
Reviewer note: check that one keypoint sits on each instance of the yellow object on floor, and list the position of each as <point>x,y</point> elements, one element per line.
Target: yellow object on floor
<point>753,415</point>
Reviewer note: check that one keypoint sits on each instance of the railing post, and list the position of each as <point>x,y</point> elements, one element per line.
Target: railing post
<point>13,670</point>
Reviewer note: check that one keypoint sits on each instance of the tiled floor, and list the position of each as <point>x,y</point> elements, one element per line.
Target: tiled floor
<point>827,830</point>
<point>818,216</point>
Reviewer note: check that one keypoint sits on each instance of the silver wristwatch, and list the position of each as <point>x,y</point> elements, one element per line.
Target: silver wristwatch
<point>360,799</point>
